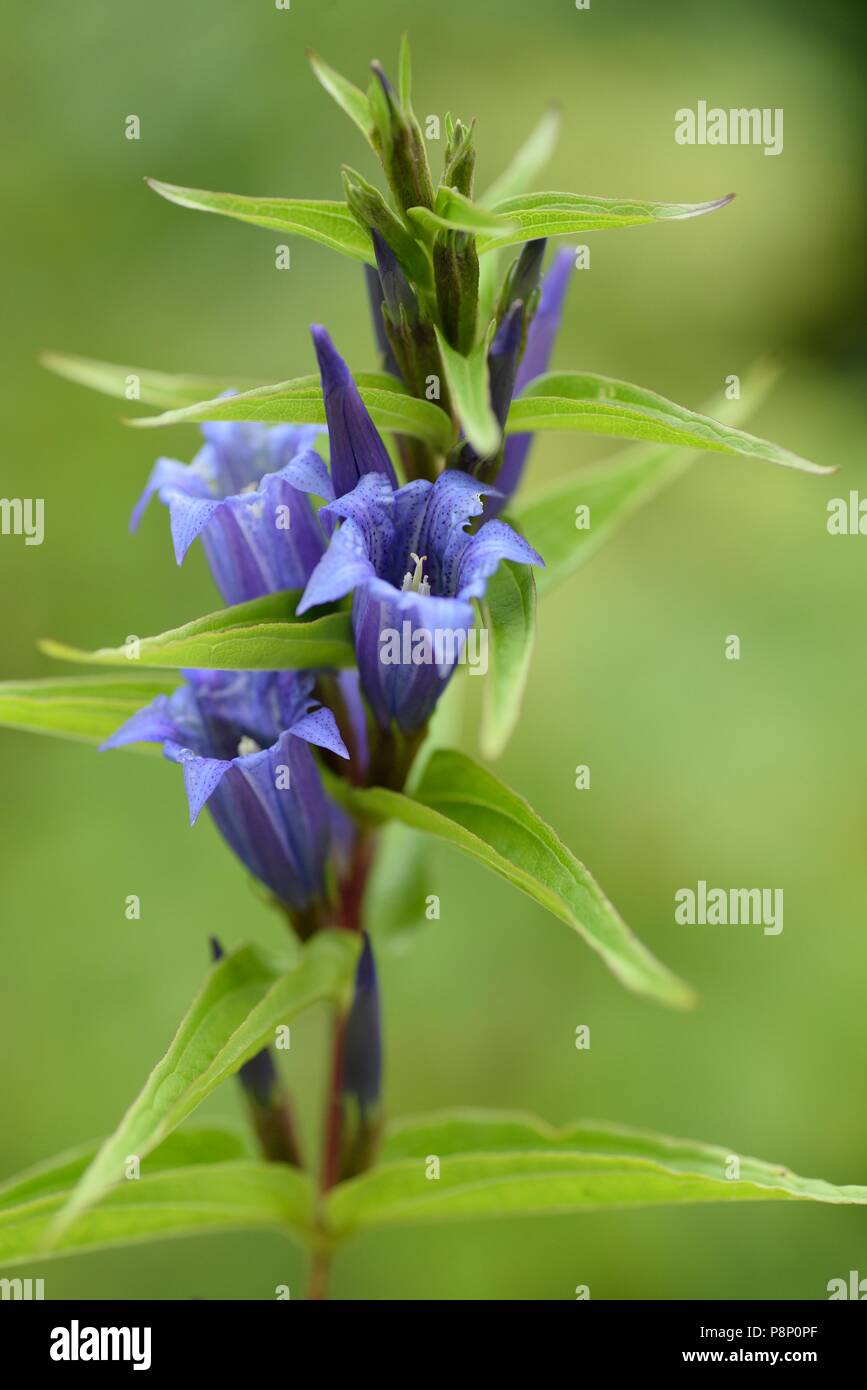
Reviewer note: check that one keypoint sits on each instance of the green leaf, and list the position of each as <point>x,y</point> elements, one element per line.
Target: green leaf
<point>613,491</point>
<point>160,389</point>
<point>253,636</point>
<point>509,615</point>
<point>454,212</point>
<point>562,214</point>
<point>195,1145</point>
<point>349,98</point>
<point>462,803</point>
<point>499,1165</point>
<point>246,995</point>
<point>592,404</point>
<point>300,402</point>
<point>467,378</point>
<point>86,708</point>
<point>239,1195</point>
<point>528,162</point>
<point>329,223</point>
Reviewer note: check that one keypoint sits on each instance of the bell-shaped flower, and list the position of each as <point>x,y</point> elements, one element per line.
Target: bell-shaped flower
<point>243,740</point>
<point>259,532</point>
<point>406,556</point>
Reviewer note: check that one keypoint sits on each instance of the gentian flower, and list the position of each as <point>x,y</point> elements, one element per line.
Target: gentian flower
<point>260,534</point>
<point>242,740</point>
<point>413,569</point>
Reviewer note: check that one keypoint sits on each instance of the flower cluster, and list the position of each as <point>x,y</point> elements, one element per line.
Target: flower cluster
<point>405,537</point>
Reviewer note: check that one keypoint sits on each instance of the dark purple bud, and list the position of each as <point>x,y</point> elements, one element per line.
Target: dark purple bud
<point>356,448</point>
<point>374,294</point>
<point>258,1076</point>
<point>396,289</point>
<point>362,1055</point>
<point>503,358</point>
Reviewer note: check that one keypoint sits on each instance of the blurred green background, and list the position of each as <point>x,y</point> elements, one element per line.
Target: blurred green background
<point>748,773</point>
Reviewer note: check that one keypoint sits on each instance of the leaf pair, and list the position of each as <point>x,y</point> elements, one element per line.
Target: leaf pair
<point>456,1166</point>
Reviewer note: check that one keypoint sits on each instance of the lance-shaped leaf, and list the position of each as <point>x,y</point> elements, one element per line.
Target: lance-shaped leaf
<point>349,98</point>
<point>57,1176</point>
<point>246,995</point>
<point>261,635</point>
<point>453,212</point>
<point>467,379</point>
<point>196,1200</point>
<point>300,402</point>
<point>509,617</point>
<point>592,404</point>
<point>536,215</point>
<point>85,708</point>
<point>462,803</point>
<point>528,161</point>
<point>613,491</point>
<point>164,390</point>
<point>501,1165</point>
<point>330,223</point>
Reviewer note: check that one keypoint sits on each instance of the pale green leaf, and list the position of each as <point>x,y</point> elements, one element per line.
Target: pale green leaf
<point>501,1165</point>
<point>197,1144</point>
<point>453,212</point>
<point>246,995</point>
<point>259,635</point>
<point>300,402</point>
<point>613,491</point>
<point>349,98</point>
<point>509,616</point>
<point>164,390</point>
<point>528,161</point>
<point>330,223</point>
<point>86,708</point>
<point>592,404</point>
<point>467,378</point>
<point>563,214</point>
<point>233,1196</point>
<point>462,803</point>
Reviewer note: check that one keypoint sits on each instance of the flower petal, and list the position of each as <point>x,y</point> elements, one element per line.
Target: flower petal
<point>356,447</point>
<point>319,727</point>
<point>493,542</point>
<point>344,565</point>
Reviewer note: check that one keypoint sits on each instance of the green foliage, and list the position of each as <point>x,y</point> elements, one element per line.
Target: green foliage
<point>245,997</point>
<point>462,803</point>
<point>593,404</point>
<point>85,708</point>
<point>330,223</point>
<point>260,635</point>
<point>508,613</point>
<point>536,215</point>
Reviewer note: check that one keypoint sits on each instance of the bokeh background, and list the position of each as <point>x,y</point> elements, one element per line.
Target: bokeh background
<point>739,773</point>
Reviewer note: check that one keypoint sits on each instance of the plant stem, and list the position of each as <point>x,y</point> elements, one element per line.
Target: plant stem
<point>320,1271</point>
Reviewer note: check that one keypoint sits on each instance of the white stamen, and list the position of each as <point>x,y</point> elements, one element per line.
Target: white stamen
<point>416,582</point>
<point>246,746</point>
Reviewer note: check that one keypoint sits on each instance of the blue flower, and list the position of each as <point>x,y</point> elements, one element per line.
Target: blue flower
<point>242,739</point>
<point>259,532</point>
<point>413,569</point>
